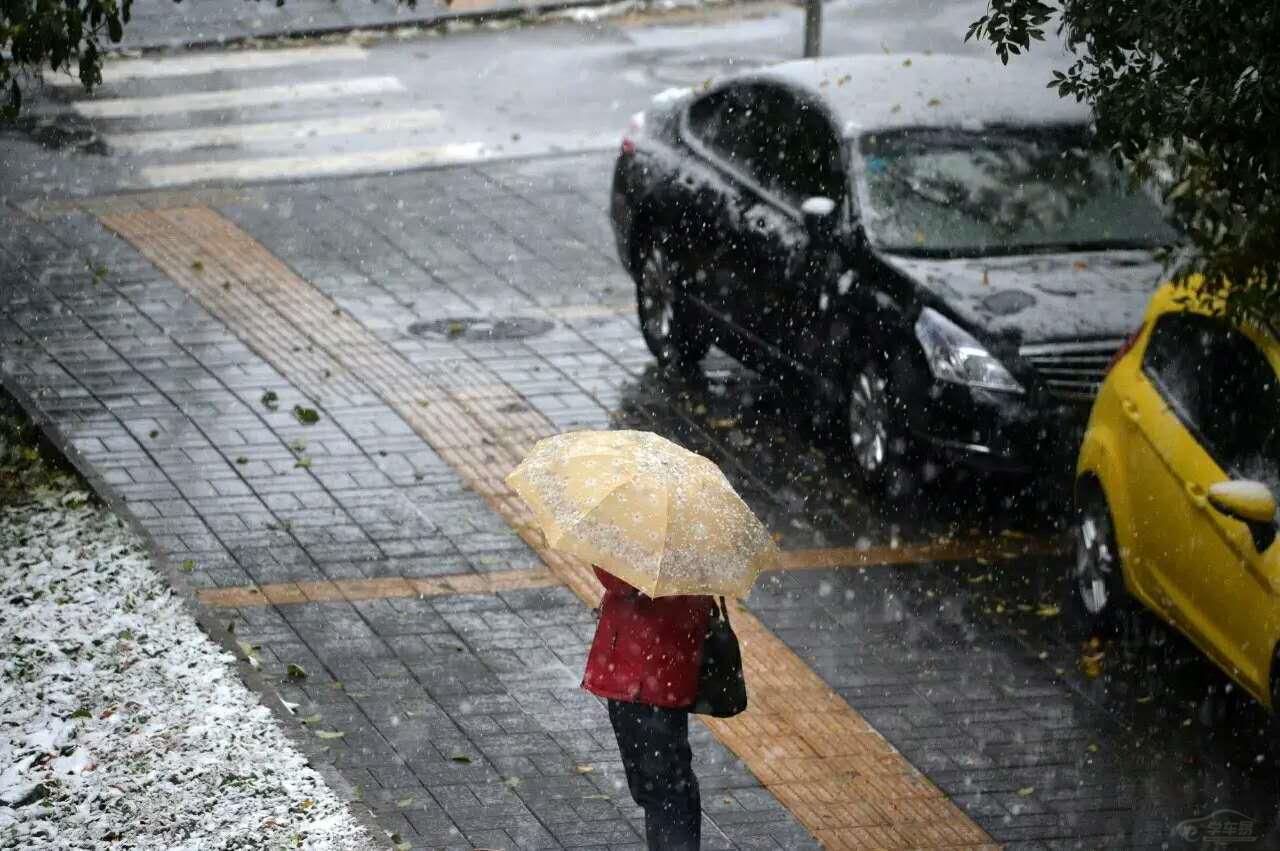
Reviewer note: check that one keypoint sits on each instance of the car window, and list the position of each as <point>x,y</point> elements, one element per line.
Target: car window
<point>779,141</point>
<point>947,192</point>
<point>1223,388</point>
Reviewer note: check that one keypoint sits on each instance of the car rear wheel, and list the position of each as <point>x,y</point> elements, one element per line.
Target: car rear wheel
<point>876,447</point>
<point>667,323</point>
<point>1097,578</point>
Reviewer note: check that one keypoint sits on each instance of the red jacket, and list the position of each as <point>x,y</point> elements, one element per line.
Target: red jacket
<point>647,650</point>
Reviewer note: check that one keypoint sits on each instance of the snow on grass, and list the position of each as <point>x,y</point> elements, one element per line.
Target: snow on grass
<point>120,721</point>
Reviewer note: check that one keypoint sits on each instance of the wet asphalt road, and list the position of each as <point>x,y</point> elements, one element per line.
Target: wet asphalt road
<point>1173,740</point>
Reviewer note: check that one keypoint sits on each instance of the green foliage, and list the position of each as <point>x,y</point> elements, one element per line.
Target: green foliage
<point>58,36</point>
<point>1188,93</point>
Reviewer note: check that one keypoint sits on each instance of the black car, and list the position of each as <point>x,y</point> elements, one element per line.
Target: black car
<point>930,242</point>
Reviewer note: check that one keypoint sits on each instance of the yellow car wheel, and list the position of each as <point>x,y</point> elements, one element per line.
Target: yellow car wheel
<point>1097,578</point>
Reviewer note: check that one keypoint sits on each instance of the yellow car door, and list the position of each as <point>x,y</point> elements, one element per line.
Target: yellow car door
<point>1163,457</point>
<point>1240,438</point>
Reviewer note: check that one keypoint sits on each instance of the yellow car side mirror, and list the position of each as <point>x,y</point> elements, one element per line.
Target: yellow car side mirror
<point>1253,504</point>
<point>1248,502</point>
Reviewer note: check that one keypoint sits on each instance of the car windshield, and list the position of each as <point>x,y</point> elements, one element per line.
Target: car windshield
<point>1006,191</point>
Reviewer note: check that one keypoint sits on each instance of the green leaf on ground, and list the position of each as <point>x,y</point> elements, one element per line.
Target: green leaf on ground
<point>330,734</point>
<point>242,460</point>
<point>306,416</point>
<point>187,566</point>
<point>404,803</point>
<point>460,760</point>
<point>271,400</point>
<point>197,266</point>
<point>82,712</point>
<point>304,463</point>
<point>296,672</point>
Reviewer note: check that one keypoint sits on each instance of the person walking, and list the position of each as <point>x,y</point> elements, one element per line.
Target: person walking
<point>663,530</point>
<point>645,661</point>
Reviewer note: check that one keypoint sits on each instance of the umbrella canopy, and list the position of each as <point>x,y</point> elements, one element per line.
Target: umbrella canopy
<point>657,516</point>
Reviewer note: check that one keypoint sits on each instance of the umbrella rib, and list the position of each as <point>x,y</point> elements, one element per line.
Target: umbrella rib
<point>666,529</point>
<point>586,512</point>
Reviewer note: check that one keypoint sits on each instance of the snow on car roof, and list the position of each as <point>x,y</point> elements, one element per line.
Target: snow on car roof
<point>878,92</point>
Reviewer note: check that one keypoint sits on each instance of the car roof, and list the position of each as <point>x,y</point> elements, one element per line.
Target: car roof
<point>881,92</point>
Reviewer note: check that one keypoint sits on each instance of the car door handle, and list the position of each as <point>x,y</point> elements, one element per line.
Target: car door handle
<point>1199,498</point>
<point>1130,409</point>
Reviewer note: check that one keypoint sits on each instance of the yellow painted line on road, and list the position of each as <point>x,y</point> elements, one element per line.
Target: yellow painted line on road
<point>839,777</point>
<point>384,588</point>
<point>975,549</point>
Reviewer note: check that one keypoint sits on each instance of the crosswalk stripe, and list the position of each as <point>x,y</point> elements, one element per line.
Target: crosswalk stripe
<point>294,167</point>
<point>206,63</point>
<point>235,98</point>
<point>240,134</point>
<point>365,162</point>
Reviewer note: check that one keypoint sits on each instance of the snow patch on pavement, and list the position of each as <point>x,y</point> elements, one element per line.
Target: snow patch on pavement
<point>120,721</point>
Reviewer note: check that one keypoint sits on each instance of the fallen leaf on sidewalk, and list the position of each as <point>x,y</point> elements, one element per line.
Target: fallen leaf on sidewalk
<point>1026,791</point>
<point>306,416</point>
<point>271,400</point>
<point>249,651</point>
<point>583,769</point>
<point>295,672</point>
<point>460,760</point>
<point>404,803</point>
<point>330,734</point>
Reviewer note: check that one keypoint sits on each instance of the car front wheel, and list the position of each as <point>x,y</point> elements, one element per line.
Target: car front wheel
<point>670,329</point>
<point>1097,579</point>
<point>877,447</point>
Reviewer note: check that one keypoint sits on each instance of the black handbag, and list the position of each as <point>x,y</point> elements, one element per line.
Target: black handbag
<point>722,689</point>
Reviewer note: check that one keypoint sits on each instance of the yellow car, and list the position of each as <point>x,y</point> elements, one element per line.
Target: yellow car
<point>1175,488</point>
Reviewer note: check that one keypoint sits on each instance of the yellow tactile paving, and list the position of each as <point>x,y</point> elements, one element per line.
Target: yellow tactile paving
<point>353,590</point>
<point>864,798</point>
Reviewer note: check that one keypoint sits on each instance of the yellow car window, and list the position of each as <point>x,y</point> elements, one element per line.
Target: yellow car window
<point>1223,389</point>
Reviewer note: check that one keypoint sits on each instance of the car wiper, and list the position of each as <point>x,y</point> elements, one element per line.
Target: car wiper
<point>1002,250</point>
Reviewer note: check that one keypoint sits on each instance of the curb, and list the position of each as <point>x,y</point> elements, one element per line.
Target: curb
<point>266,693</point>
<point>436,20</point>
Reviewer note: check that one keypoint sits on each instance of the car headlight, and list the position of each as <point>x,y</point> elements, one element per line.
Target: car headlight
<point>954,355</point>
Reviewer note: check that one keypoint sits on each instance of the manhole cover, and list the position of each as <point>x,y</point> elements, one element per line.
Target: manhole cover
<point>478,328</point>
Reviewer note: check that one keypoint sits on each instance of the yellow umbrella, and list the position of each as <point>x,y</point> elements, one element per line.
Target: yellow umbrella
<point>657,516</point>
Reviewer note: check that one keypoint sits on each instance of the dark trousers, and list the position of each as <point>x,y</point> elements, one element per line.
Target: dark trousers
<point>654,743</point>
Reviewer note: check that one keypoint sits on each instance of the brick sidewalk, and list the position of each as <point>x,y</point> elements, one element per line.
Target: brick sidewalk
<point>378,550</point>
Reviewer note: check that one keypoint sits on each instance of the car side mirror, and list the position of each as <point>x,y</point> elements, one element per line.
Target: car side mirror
<point>1252,503</point>
<point>819,217</point>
